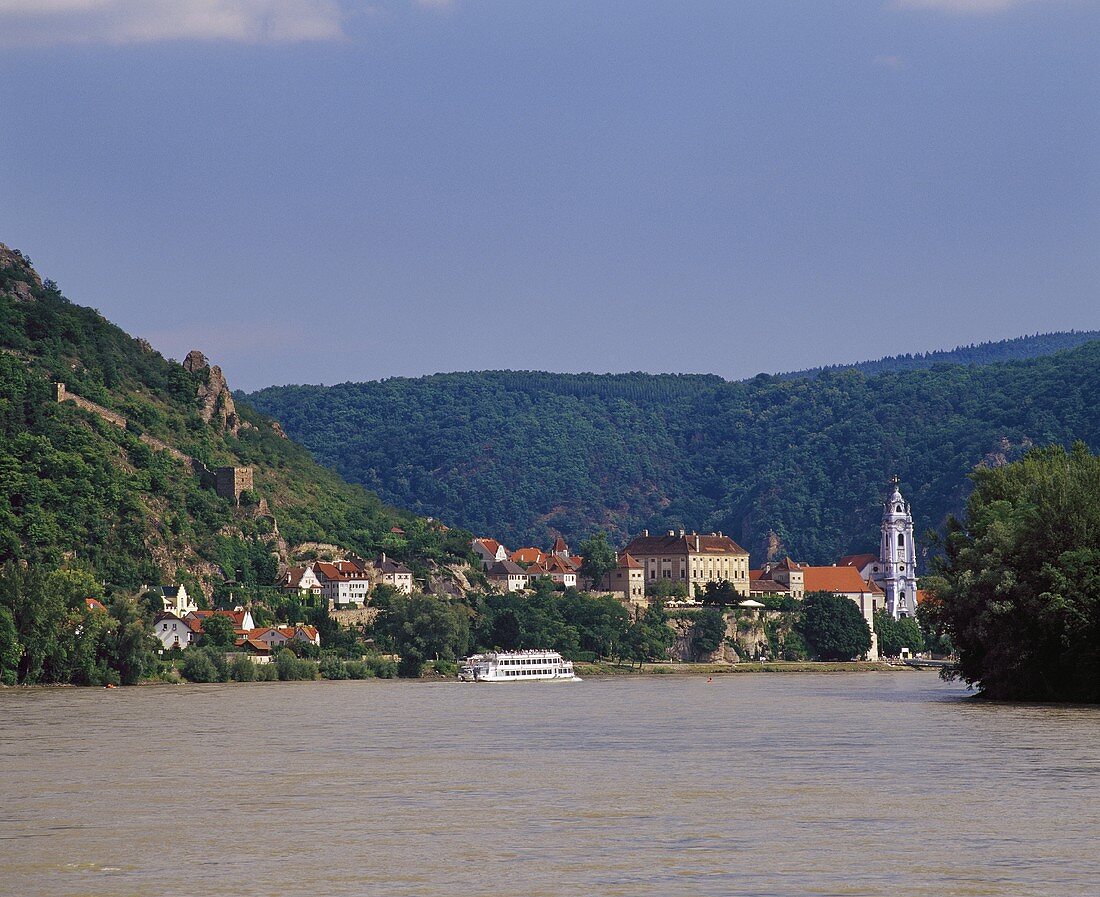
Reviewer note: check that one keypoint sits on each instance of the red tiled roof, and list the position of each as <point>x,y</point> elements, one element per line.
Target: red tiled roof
<point>94,604</point>
<point>834,579</point>
<point>685,544</point>
<point>766,585</point>
<point>327,571</point>
<point>527,556</point>
<point>537,570</point>
<point>625,560</point>
<point>559,546</point>
<point>491,544</point>
<point>859,561</point>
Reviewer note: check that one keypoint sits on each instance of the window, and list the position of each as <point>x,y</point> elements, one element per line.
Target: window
<point>901,540</point>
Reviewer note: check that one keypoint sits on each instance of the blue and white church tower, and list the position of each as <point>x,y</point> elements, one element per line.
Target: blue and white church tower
<point>898,556</point>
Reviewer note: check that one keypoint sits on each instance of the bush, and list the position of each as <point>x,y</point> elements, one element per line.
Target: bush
<point>356,669</point>
<point>331,667</point>
<point>445,668</point>
<point>381,667</point>
<point>410,665</point>
<point>205,665</point>
<point>290,668</point>
<point>266,672</point>
<point>242,669</point>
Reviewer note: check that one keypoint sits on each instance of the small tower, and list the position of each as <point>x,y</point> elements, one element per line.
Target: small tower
<point>898,556</point>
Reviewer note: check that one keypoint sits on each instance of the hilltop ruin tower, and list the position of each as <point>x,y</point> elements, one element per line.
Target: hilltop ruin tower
<point>898,556</point>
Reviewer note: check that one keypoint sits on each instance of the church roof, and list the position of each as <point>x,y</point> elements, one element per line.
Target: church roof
<point>859,561</point>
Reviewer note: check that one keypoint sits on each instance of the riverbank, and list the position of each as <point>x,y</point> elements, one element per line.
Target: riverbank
<point>592,670</point>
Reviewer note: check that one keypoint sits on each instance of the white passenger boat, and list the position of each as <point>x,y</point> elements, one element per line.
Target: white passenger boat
<point>517,666</point>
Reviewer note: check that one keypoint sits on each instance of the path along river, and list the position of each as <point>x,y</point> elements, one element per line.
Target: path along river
<point>838,784</point>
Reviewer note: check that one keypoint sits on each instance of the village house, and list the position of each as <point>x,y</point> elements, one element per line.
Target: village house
<point>528,556</point>
<point>94,604</point>
<point>693,559</point>
<point>276,636</point>
<point>175,600</point>
<point>343,583</point>
<point>508,576</point>
<point>393,573</point>
<point>627,580</point>
<point>489,552</point>
<point>301,581</point>
<point>175,632</point>
<point>556,569</point>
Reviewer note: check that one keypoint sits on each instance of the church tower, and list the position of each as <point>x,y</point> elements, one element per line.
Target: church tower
<point>898,556</point>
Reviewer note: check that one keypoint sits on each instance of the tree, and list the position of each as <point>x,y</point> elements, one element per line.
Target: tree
<point>666,588</point>
<point>423,627</point>
<point>833,627</point>
<point>894,635</point>
<point>708,632</point>
<point>1019,591</point>
<point>10,649</point>
<point>599,558</point>
<point>721,594</point>
<point>199,667</point>
<point>218,631</point>
<point>650,637</point>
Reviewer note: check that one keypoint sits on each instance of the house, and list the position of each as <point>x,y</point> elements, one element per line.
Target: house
<point>174,631</point>
<point>301,581</point>
<point>240,617</point>
<point>489,552</point>
<point>554,568</point>
<point>94,604</point>
<point>275,636</point>
<point>692,559</point>
<point>528,556</point>
<point>176,600</point>
<point>394,573</point>
<point>343,582</point>
<point>627,579</point>
<point>784,578</point>
<point>508,576</point>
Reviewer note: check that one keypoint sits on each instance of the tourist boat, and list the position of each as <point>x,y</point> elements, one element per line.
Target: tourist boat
<point>517,666</point>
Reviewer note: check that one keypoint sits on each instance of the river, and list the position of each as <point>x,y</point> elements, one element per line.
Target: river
<point>754,784</point>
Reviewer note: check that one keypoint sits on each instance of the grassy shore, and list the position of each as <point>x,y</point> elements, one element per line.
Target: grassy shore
<point>723,669</point>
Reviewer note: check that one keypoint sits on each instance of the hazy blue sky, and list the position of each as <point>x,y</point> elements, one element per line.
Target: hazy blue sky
<point>319,191</point>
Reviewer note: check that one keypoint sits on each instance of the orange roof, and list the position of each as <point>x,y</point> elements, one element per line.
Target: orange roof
<point>527,556</point>
<point>556,565</point>
<point>560,546</point>
<point>93,604</point>
<point>255,644</point>
<point>625,560</point>
<point>834,579</point>
<point>858,561</point>
<point>537,570</point>
<point>329,571</point>
<point>491,544</point>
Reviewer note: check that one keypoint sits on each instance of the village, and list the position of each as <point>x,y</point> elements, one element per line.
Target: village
<point>682,569</point>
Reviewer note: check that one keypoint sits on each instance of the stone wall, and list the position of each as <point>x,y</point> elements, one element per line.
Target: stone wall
<point>230,482</point>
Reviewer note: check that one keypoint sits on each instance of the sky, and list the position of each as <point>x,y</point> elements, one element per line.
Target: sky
<point>317,191</point>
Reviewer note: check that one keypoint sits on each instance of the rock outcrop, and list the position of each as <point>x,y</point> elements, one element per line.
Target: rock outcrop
<point>217,401</point>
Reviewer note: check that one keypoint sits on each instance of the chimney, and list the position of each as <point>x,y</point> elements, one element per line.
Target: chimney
<point>645,533</point>
<point>681,533</point>
<point>383,557</point>
<point>696,541</point>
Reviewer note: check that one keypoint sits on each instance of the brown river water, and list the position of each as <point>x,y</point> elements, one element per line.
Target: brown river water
<point>835,784</point>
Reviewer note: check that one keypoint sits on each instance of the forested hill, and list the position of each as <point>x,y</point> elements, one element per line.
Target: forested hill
<point>77,489</point>
<point>796,465</point>
<point>1018,349</point>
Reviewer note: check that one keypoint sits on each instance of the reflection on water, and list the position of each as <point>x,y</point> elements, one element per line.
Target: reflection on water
<point>831,784</point>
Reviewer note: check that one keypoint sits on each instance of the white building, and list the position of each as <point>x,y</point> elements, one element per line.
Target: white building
<point>897,565</point>
<point>396,574</point>
<point>489,551</point>
<point>175,632</point>
<point>176,600</point>
<point>508,576</point>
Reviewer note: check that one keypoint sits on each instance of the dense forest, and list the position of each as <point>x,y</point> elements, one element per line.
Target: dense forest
<point>1019,349</point>
<point>795,465</point>
<point>76,490</point>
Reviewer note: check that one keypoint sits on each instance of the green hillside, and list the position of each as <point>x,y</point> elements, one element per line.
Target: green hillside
<point>1019,349</point>
<point>77,488</point>
<point>780,464</point>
